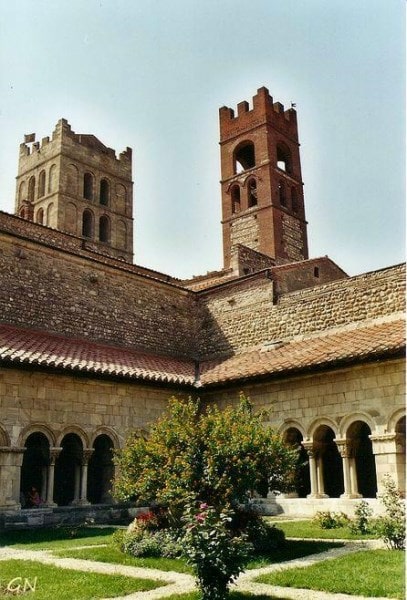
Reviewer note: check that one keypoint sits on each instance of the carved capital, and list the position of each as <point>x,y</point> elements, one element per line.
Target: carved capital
<point>87,453</point>
<point>53,454</point>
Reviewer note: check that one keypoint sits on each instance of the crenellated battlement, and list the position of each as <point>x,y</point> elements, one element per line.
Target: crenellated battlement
<point>263,109</point>
<point>64,131</point>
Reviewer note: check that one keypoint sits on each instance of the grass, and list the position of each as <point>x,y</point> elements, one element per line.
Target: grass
<point>368,573</point>
<point>47,539</point>
<point>54,582</point>
<point>308,529</point>
<point>232,596</point>
<point>109,554</point>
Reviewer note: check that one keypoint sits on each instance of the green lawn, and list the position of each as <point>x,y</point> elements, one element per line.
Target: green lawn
<point>232,596</point>
<point>64,537</point>
<point>367,573</point>
<point>308,529</point>
<point>109,554</point>
<point>53,582</point>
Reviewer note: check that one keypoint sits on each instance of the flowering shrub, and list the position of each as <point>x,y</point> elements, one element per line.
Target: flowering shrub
<point>216,555</point>
<point>392,526</point>
<point>146,543</point>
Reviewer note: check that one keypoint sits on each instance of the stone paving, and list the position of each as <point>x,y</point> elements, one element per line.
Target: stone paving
<point>181,583</point>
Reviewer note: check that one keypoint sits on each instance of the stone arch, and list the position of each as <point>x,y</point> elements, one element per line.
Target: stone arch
<point>21,191</point>
<point>106,431</point>
<point>101,469</point>
<point>292,423</point>
<point>31,189</point>
<point>400,429</point>
<point>329,461</point>
<point>88,222</point>
<point>321,421</point>
<point>77,431</point>
<point>294,437</point>
<point>121,198</point>
<point>34,469</point>
<point>41,184</point>
<point>104,229</point>
<point>68,468</point>
<point>51,215</point>
<point>394,419</point>
<point>104,191</point>
<point>52,179</point>
<point>347,421</point>
<point>361,450</point>
<point>71,217</point>
<point>72,180</point>
<point>36,428</point>
<point>40,216</point>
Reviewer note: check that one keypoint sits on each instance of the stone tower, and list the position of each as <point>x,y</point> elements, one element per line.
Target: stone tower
<point>76,184</point>
<point>262,190</point>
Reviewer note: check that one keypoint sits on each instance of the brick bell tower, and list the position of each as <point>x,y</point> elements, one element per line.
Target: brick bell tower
<point>262,189</point>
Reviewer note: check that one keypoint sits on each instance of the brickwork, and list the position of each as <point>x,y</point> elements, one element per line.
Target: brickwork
<point>262,190</point>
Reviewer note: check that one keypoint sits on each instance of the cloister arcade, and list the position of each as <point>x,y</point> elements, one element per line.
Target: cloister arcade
<point>346,461</point>
<point>68,470</point>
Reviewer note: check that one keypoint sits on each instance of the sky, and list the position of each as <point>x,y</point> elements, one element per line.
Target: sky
<point>152,75</point>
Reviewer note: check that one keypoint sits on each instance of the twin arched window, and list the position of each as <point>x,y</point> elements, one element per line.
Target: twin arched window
<point>244,157</point>
<point>235,195</point>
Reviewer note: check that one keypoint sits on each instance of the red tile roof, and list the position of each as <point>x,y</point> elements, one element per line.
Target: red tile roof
<point>27,347</point>
<point>20,346</point>
<point>326,350</point>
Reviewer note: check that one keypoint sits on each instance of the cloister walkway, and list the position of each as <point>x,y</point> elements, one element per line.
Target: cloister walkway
<point>180,583</point>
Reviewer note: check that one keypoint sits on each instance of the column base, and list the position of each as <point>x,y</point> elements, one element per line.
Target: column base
<point>82,502</point>
<point>350,496</point>
<point>317,496</point>
<point>49,505</point>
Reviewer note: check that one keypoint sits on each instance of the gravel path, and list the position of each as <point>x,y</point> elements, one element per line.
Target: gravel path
<point>179,583</point>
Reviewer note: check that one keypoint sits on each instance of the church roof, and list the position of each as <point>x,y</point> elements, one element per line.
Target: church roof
<point>26,347</point>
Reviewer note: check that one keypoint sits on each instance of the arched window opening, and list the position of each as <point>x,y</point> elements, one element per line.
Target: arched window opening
<point>41,184</point>
<point>284,161</point>
<point>34,471</point>
<point>281,194</point>
<point>401,454</point>
<point>52,179</point>
<point>88,186</point>
<point>329,462</point>
<point>316,271</point>
<point>87,224</point>
<point>51,215</point>
<point>293,438</point>
<point>31,189</point>
<point>104,229</point>
<point>21,191</point>
<point>362,451</point>
<point>294,200</point>
<point>104,192</point>
<point>101,471</point>
<point>235,195</point>
<point>40,216</point>
<point>252,200</point>
<point>244,157</point>
<point>68,471</point>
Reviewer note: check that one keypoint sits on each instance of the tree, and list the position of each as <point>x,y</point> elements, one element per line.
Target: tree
<point>219,457</point>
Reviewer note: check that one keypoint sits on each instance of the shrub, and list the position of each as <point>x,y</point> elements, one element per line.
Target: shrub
<point>392,526</point>
<point>362,522</point>
<point>331,520</point>
<point>147,543</point>
<point>216,555</point>
<point>265,537</point>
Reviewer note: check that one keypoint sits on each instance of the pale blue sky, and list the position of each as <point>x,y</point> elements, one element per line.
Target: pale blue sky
<point>151,74</point>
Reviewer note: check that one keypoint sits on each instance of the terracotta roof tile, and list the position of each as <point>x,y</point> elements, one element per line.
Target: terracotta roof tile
<point>328,349</point>
<point>28,347</point>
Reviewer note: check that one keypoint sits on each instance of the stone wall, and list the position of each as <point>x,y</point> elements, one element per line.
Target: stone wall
<point>48,289</point>
<point>245,314</point>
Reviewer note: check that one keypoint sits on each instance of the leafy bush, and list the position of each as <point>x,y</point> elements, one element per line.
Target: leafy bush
<point>219,457</point>
<point>331,520</point>
<point>392,526</point>
<point>216,555</point>
<point>362,523</point>
<point>147,543</point>
<point>265,537</point>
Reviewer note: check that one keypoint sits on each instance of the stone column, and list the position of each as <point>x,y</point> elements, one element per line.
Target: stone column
<point>53,455</point>
<point>344,451</point>
<point>87,453</point>
<point>11,459</point>
<point>312,471</point>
